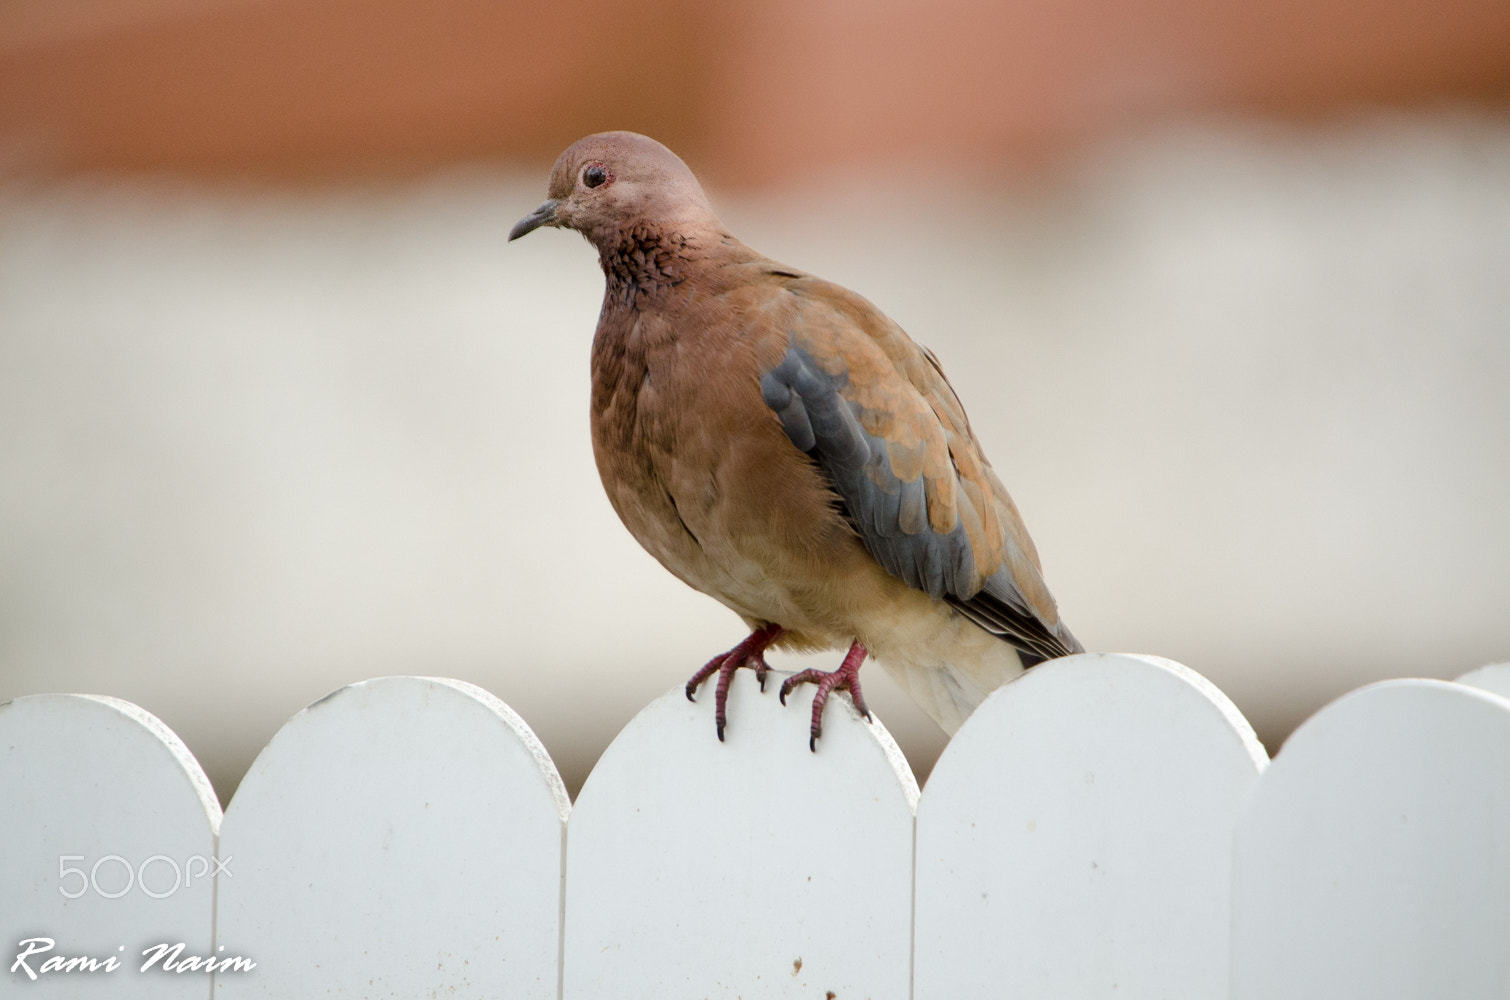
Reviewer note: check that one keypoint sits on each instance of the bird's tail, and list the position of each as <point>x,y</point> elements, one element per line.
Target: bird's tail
<point>948,688</point>
<point>1071,646</point>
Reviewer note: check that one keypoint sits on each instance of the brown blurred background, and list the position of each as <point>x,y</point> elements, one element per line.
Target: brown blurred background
<point>753,92</point>
<point>1224,286</point>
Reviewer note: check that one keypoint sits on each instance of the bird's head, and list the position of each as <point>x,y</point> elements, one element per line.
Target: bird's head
<point>605,184</point>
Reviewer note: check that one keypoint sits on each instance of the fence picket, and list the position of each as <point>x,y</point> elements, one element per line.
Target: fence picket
<point>1074,839</point>
<point>1103,827</point>
<point>1495,677</point>
<point>100,786</point>
<point>400,837</point>
<point>751,868</point>
<point>1372,860</point>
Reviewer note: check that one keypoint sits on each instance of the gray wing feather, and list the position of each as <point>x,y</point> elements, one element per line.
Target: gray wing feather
<point>891,515</point>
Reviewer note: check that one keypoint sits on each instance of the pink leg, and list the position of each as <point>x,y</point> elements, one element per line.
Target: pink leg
<point>750,653</point>
<point>846,678</point>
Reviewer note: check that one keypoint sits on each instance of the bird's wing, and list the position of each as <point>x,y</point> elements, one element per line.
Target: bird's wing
<point>876,413</point>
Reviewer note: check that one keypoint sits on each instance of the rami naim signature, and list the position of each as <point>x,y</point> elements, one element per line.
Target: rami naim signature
<point>158,957</point>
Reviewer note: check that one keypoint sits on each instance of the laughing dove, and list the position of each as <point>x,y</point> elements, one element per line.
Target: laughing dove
<point>779,444</point>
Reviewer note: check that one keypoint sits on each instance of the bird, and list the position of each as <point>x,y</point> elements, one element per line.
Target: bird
<point>778,443</point>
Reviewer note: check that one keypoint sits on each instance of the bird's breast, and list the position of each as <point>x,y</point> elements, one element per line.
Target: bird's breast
<point>701,473</point>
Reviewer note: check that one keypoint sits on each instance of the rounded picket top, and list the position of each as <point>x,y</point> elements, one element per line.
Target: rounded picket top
<point>107,846</point>
<point>1371,860</point>
<point>1495,677</point>
<point>752,867</point>
<point>398,837</point>
<point>1075,836</point>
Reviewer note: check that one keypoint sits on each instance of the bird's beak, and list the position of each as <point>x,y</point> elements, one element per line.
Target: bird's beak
<point>545,215</point>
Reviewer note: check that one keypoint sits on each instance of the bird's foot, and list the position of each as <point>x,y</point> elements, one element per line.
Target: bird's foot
<point>846,678</point>
<point>750,653</point>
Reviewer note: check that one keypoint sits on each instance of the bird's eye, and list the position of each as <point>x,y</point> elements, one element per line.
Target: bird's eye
<point>595,175</point>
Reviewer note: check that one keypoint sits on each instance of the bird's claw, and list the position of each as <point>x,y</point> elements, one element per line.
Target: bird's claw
<point>846,678</point>
<point>750,653</point>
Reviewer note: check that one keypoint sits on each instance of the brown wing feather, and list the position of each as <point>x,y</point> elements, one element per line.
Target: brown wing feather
<point>877,413</point>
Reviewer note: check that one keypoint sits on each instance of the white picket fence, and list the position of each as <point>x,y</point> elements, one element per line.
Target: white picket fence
<point>1104,827</point>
